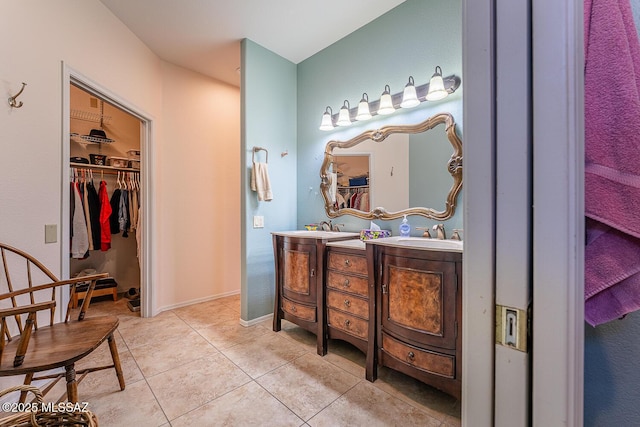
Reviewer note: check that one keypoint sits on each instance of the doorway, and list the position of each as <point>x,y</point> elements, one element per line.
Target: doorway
<point>136,173</point>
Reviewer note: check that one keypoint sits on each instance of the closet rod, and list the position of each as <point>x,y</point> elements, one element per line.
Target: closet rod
<point>104,168</point>
<point>112,172</point>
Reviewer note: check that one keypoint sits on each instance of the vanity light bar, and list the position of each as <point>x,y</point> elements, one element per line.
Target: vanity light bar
<point>330,120</point>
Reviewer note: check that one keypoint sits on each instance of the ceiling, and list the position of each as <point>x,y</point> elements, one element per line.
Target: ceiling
<point>205,35</point>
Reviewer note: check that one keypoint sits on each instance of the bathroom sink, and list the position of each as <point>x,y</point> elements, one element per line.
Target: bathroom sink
<point>424,243</point>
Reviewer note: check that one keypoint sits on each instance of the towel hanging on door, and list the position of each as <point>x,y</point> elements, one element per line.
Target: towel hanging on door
<point>612,155</point>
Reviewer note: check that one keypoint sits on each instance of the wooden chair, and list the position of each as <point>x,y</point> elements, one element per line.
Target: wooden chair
<point>27,292</point>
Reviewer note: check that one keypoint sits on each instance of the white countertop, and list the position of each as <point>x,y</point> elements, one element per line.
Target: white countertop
<point>316,234</point>
<point>422,243</point>
<point>349,244</point>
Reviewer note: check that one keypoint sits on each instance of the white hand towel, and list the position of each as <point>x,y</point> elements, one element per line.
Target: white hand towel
<point>333,187</point>
<point>260,181</point>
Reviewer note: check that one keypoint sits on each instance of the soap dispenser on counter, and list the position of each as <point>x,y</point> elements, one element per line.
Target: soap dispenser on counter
<point>405,228</point>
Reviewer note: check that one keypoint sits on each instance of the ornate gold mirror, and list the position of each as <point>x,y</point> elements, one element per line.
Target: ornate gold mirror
<point>414,172</point>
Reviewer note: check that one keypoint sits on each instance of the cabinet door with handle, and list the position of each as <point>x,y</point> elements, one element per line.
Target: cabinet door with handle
<point>418,300</point>
<point>299,272</point>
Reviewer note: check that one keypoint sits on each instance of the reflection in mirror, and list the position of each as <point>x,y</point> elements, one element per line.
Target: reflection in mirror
<point>372,180</point>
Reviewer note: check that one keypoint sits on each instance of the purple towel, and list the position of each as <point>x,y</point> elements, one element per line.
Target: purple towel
<point>612,160</point>
<point>612,273</point>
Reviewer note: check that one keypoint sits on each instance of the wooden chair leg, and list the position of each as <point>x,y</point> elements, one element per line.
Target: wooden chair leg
<point>72,385</point>
<point>116,360</point>
<point>27,381</point>
<point>115,294</point>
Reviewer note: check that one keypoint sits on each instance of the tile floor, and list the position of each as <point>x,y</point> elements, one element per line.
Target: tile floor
<point>197,365</point>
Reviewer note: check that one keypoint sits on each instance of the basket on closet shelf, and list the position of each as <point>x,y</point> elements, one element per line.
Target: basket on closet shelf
<point>133,154</point>
<point>62,414</point>
<point>98,159</point>
<point>134,158</point>
<point>118,162</point>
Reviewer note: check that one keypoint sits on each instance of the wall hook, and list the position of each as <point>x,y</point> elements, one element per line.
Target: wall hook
<point>12,99</point>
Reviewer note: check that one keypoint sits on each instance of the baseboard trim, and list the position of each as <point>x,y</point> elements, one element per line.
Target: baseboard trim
<point>198,300</point>
<point>247,323</point>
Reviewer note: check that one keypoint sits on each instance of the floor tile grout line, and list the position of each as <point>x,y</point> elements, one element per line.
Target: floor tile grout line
<point>281,402</point>
<point>442,417</point>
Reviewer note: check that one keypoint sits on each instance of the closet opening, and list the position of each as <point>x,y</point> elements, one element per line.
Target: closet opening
<point>106,196</point>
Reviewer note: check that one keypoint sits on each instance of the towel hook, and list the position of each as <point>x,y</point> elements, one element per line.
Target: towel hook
<point>12,99</point>
<point>255,150</point>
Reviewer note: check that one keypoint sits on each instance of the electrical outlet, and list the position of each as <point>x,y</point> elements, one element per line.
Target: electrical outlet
<point>50,233</point>
<point>258,221</point>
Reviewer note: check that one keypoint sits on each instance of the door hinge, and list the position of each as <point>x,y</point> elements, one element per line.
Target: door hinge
<point>384,288</point>
<point>512,327</point>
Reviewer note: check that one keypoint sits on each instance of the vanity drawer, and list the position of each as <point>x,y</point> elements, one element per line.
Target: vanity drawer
<point>349,303</point>
<point>349,324</point>
<point>342,282</point>
<point>434,363</point>
<point>300,311</point>
<point>348,263</point>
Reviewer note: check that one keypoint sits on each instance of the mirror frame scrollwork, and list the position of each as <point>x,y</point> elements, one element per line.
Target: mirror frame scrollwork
<point>454,167</point>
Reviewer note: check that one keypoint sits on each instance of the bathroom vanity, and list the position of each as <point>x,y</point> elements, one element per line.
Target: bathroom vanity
<point>299,270</point>
<point>348,293</point>
<point>418,305</point>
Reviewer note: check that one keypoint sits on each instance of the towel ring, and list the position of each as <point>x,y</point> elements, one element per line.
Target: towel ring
<point>255,150</point>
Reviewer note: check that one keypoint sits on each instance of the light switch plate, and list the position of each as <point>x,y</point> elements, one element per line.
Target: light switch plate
<point>258,221</point>
<point>50,233</point>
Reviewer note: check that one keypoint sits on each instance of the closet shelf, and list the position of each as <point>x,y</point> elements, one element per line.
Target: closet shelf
<point>100,167</point>
<point>86,139</point>
<point>90,116</point>
<point>345,187</point>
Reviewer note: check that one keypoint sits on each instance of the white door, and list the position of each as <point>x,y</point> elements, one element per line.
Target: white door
<point>523,209</point>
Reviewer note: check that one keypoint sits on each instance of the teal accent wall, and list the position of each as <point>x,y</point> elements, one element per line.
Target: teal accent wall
<point>268,98</point>
<point>282,104</point>
<point>409,40</point>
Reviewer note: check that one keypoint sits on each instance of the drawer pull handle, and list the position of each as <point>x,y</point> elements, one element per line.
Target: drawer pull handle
<point>347,323</point>
<point>347,263</point>
<point>346,283</point>
<point>410,356</point>
<point>293,308</point>
<point>347,303</point>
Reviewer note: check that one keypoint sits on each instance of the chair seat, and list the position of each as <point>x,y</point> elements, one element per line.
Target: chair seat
<point>58,345</point>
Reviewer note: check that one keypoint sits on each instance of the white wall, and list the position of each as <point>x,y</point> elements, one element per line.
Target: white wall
<point>199,188</point>
<point>35,37</point>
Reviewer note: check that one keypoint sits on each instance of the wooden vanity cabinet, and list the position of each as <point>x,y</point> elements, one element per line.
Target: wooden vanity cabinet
<point>418,310</point>
<point>348,293</point>
<point>299,267</point>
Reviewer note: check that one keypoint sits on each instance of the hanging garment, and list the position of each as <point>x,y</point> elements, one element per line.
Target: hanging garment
<point>94,215</point>
<point>105,213</point>
<point>87,217</point>
<point>123,213</point>
<point>364,202</point>
<point>114,219</point>
<point>612,155</point>
<point>80,240</point>
<point>134,208</point>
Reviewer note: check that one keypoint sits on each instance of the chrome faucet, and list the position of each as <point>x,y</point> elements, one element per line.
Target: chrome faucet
<point>328,226</point>
<point>425,231</point>
<point>439,229</point>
